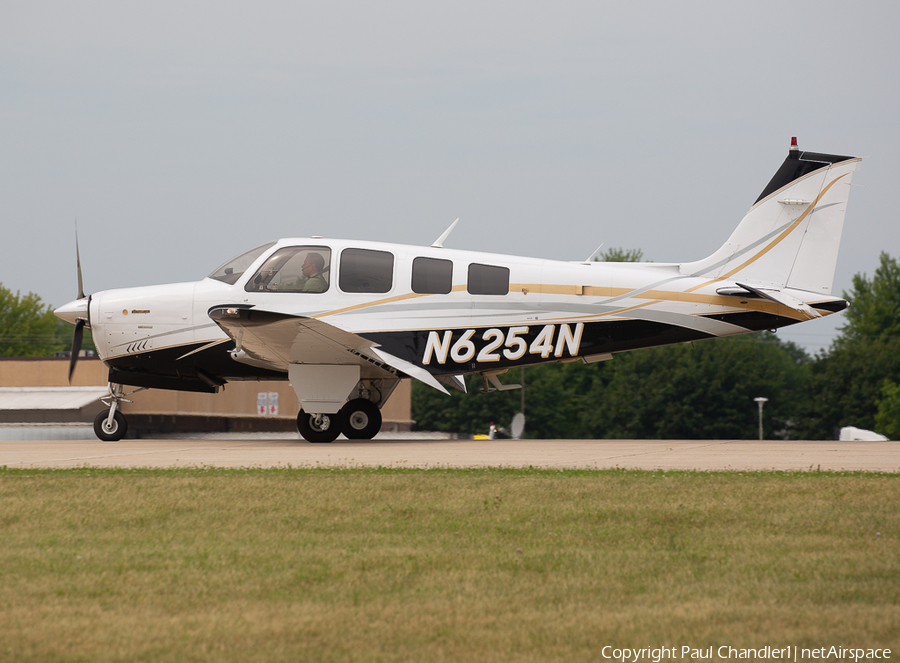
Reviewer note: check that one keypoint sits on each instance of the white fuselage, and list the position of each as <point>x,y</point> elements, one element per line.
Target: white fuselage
<point>129,322</point>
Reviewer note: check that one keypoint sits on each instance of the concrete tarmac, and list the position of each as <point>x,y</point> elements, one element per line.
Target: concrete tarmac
<point>258,451</point>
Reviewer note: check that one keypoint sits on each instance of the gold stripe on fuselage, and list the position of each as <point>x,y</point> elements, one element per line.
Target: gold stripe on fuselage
<point>655,297</point>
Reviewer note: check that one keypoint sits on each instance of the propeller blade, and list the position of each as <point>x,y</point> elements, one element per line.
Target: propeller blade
<point>76,346</point>
<point>78,264</point>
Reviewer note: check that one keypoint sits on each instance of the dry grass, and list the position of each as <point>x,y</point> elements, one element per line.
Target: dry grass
<point>390,565</point>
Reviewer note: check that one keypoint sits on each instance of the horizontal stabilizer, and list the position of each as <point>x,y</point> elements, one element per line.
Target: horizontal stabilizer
<point>783,298</point>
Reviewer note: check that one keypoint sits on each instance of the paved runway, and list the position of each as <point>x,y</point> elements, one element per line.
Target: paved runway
<point>247,451</point>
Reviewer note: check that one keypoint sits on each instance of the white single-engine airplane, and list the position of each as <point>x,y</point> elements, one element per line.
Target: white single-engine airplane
<point>344,321</point>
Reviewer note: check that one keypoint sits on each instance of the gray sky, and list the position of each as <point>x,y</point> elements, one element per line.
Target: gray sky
<point>181,133</point>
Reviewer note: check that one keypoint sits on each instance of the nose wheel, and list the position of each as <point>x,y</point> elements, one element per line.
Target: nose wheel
<point>110,426</point>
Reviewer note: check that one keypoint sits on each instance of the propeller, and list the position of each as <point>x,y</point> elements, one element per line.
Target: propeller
<point>78,265</point>
<point>76,346</point>
<point>80,323</point>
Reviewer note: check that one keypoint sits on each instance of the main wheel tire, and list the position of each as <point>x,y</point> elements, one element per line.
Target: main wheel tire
<point>112,433</point>
<point>361,419</point>
<point>326,429</point>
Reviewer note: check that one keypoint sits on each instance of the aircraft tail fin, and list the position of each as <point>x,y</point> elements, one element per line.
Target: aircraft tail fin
<point>791,235</point>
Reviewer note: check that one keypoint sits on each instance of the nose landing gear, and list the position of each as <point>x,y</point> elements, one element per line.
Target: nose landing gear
<point>110,428</point>
<point>111,425</point>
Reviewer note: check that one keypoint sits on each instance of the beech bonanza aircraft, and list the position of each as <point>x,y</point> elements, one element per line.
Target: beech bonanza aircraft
<point>344,321</point>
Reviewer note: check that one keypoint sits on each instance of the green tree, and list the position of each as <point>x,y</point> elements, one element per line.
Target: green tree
<point>703,390</point>
<point>887,420</point>
<point>554,403</point>
<point>874,311</point>
<point>847,383</point>
<point>28,327</point>
<point>620,255</point>
<point>468,414</point>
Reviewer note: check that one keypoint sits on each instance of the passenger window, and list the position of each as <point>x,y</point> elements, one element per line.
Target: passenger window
<point>293,269</point>
<point>364,270</point>
<point>431,276</point>
<point>488,280</point>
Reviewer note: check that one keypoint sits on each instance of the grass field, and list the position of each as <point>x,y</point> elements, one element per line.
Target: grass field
<point>440,565</point>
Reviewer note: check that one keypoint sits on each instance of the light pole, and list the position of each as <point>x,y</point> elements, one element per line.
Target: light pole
<point>760,401</point>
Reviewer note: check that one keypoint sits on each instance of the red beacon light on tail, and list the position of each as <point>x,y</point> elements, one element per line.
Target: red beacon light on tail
<point>794,143</point>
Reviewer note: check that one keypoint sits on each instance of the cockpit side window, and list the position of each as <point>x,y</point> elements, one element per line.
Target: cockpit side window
<point>294,269</point>
<point>232,270</point>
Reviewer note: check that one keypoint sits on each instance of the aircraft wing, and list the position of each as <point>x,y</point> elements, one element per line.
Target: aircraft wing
<point>277,340</point>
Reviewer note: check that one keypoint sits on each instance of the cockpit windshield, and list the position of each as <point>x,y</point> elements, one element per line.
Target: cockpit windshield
<point>232,270</point>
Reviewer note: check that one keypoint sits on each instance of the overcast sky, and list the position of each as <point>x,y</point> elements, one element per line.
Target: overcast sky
<point>181,133</point>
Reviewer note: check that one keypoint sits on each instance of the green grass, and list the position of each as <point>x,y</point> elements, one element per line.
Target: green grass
<point>442,565</point>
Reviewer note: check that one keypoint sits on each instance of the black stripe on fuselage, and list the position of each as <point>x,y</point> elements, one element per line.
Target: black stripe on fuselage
<point>834,306</point>
<point>597,338</point>
<point>161,369</point>
<point>754,320</point>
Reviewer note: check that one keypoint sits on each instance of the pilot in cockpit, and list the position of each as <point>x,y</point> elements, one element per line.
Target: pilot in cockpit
<point>312,270</point>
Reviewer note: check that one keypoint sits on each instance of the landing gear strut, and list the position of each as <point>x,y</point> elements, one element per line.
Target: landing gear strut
<point>111,426</point>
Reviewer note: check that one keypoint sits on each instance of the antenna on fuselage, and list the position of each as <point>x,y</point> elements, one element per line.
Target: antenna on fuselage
<point>596,251</point>
<point>439,242</point>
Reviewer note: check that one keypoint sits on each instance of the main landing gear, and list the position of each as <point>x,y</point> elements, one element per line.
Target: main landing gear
<point>111,425</point>
<point>358,419</point>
